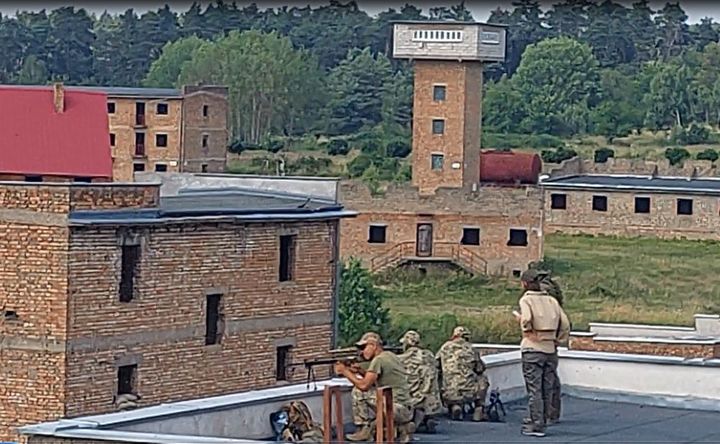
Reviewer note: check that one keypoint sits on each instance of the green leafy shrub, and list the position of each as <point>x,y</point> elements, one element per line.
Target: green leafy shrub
<point>676,156</point>
<point>602,155</point>
<point>361,304</point>
<point>557,156</point>
<point>398,148</point>
<point>338,147</point>
<point>708,154</point>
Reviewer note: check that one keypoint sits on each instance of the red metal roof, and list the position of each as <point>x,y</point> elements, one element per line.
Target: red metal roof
<point>508,167</point>
<point>36,140</point>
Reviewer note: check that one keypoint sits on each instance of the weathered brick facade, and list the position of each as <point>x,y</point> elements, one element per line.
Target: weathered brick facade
<point>460,113</point>
<point>706,349</point>
<point>193,129</point>
<point>66,331</point>
<point>492,210</point>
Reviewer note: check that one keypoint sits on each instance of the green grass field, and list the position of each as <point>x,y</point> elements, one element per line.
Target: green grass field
<point>603,279</point>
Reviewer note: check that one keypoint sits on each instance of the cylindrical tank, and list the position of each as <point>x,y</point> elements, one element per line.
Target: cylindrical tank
<point>508,167</point>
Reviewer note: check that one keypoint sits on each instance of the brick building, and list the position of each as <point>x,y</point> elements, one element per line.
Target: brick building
<point>110,289</point>
<point>48,134</point>
<point>632,205</point>
<point>489,222</point>
<point>158,129</point>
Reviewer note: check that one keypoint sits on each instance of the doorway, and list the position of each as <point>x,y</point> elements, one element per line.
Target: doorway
<point>424,243</point>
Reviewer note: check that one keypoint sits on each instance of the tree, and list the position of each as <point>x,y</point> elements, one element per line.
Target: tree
<point>704,33</point>
<point>357,88</point>
<point>503,106</point>
<point>33,72</point>
<point>673,30</point>
<point>558,81</point>
<point>283,100</point>
<point>360,308</point>
<point>676,156</point>
<point>397,99</point>
<point>668,98</point>
<point>164,71</point>
<point>70,42</point>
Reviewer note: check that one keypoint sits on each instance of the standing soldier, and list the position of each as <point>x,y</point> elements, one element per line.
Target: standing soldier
<point>422,373</point>
<point>544,324</point>
<point>462,375</point>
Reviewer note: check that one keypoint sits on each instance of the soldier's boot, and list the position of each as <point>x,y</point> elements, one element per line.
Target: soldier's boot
<point>405,432</point>
<point>456,412</point>
<point>431,425</point>
<point>419,418</point>
<point>479,414</point>
<point>364,433</point>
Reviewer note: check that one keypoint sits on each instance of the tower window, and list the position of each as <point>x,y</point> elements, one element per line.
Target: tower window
<point>111,107</point>
<point>112,139</point>
<point>439,93</point>
<point>436,161</point>
<point>161,140</point>
<point>213,319</point>
<point>206,110</point>
<point>438,126</point>
<point>287,258</point>
<point>128,267</point>
<point>161,109</point>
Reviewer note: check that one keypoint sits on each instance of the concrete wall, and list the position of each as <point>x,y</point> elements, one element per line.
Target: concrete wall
<point>472,47</point>
<point>632,166</point>
<point>309,186</point>
<point>620,218</point>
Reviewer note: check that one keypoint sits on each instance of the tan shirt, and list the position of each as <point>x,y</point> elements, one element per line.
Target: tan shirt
<point>543,322</point>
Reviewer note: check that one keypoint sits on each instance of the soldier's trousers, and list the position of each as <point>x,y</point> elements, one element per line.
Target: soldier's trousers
<point>553,411</point>
<point>364,405</point>
<point>540,376</point>
<point>453,396</point>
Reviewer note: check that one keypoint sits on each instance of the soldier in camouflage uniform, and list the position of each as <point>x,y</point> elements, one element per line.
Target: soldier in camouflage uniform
<point>463,377</point>
<point>301,427</point>
<point>422,372</point>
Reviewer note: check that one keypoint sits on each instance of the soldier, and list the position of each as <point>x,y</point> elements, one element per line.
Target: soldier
<point>422,373</point>
<point>547,284</point>
<point>362,414</point>
<point>384,370</point>
<point>544,324</point>
<point>462,375</point>
<point>301,427</point>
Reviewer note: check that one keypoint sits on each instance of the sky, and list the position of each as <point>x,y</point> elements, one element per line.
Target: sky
<point>695,9</point>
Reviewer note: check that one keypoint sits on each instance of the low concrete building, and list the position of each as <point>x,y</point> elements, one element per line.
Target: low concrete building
<point>633,205</point>
<point>111,290</point>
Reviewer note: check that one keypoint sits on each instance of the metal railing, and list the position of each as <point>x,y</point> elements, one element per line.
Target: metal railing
<point>459,254</point>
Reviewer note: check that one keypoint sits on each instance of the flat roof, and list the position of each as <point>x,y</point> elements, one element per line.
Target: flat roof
<point>618,182</point>
<point>218,205</point>
<point>447,22</point>
<point>585,420</point>
<point>114,91</point>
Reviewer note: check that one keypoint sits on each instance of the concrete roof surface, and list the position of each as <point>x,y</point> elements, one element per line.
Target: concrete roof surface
<point>636,182</point>
<point>591,421</point>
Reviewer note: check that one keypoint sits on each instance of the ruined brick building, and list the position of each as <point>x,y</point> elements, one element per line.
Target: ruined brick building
<point>49,134</point>
<point>479,210</point>
<point>109,289</point>
<point>159,129</point>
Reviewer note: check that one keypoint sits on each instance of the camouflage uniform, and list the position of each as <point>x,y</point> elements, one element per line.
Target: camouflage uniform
<point>301,427</point>
<point>422,372</point>
<point>463,375</point>
<point>548,285</point>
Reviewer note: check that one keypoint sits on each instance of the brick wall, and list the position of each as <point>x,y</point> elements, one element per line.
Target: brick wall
<point>114,196</point>
<point>620,218</point>
<point>50,178</point>
<point>461,111</point>
<point>492,209</point>
<point>632,166</point>
<point>33,305</point>
<point>122,124</point>
<point>196,125</point>
<point>657,347</point>
<point>163,328</point>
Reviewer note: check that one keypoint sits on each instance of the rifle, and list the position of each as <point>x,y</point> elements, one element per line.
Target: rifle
<point>350,356</point>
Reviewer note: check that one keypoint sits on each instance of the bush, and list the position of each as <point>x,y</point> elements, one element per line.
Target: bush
<point>603,154</point>
<point>694,135</point>
<point>361,304</point>
<point>238,146</point>
<point>557,156</point>
<point>338,147</point>
<point>309,166</point>
<point>676,156</point>
<point>273,144</point>
<point>358,165</point>
<point>398,148</point>
<point>709,154</point>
